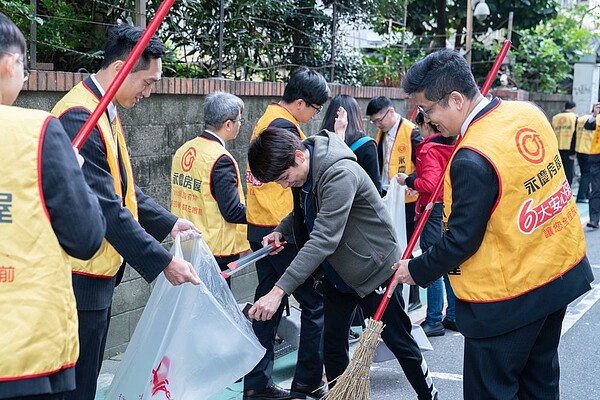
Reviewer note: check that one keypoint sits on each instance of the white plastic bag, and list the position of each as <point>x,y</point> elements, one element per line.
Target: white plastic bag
<point>394,202</point>
<point>191,341</point>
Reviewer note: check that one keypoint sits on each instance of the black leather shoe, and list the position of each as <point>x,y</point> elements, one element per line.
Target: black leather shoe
<point>268,393</point>
<point>301,390</point>
<point>435,329</point>
<point>449,324</point>
<point>593,225</point>
<point>414,306</point>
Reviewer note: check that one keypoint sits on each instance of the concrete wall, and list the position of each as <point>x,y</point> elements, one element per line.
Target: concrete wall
<point>157,126</point>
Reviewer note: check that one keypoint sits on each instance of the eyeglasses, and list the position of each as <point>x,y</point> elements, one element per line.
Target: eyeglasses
<point>317,108</point>
<point>26,70</point>
<point>379,120</point>
<point>240,120</point>
<point>426,112</point>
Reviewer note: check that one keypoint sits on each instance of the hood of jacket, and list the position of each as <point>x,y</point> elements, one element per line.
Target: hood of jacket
<point>328,149</point>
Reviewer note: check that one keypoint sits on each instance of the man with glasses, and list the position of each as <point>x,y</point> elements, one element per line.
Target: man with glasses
<point>206,187</point>
<point>397,140</point>
<point>268,203</point>
<point>47,213</point>
<point>136,224</point>
<point>513,244</point>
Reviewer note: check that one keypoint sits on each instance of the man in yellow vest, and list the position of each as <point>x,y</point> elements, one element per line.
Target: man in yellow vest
<point>397,140</point>
<point>513,244</point>
<point>268,203</point>
<point>583,147</point>
<point>47,213</point>
<point>564,125</point>
<point>206,187</point>
<point>594,160</point>
<point>136,224</point>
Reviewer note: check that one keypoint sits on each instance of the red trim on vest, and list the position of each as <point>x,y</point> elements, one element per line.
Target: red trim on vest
<point>18,378</point>
<point>39,167</point>
<point>93,275</point>
<point>527,291</point>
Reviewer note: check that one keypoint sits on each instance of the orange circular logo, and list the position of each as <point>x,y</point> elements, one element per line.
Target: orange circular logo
<point>187,160</point>
<point>401,147</point>
<point>530,145</point>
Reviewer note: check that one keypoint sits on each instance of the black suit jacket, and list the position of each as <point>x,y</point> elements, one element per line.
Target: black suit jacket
<point>137,242</point>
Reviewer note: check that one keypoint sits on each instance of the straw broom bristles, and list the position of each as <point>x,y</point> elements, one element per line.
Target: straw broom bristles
<point>354,383</point>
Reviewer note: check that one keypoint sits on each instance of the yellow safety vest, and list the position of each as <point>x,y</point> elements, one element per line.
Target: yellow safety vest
<point>564,127</point>
<point>269,203</point>
<point>37,306</point>
<point>401,156</point>
<point>583,137</point>
<point>534,234</point>
<point>107,260</point>
<point>596,139</point>
<point>191,197</point>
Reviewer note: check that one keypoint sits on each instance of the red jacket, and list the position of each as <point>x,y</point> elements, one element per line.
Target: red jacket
<point>432,156</point>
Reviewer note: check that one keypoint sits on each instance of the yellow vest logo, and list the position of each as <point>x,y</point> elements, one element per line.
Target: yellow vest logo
<point>530,145</point>
<point>188,158</point>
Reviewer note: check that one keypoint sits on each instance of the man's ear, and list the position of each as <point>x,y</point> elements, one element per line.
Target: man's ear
<point>457,100</point>
<point>7,66</point>
<point>300,157</point>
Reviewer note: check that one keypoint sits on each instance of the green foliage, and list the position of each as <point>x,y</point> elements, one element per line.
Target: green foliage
<point>547,52</point>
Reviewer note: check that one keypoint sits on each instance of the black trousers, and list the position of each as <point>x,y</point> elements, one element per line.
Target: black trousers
<point>594,161</point>
<point>568,164</point>
<point>59,396</point>
<point>338,308</point>
<point>584,183</point>
<point>521,364</point>
<point>93,330</point>
<point>309,367</point>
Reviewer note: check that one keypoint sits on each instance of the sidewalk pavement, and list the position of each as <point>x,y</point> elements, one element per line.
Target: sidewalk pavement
<point>283,369</point>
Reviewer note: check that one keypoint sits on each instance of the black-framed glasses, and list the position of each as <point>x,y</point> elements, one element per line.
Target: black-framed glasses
<point>240,120</point>
<point>379,120</point>
<point>426,112</point>
<point>317,108</point>
<point>21,59</point>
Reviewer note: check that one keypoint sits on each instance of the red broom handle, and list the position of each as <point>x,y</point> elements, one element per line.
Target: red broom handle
<point>138,49</point>
<point>419,228</point>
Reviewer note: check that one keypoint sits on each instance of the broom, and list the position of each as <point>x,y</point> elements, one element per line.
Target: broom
<point>354,383</point>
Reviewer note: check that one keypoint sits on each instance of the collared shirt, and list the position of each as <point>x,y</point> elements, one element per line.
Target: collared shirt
<point>216,136</point>
<point>112,108</point>
<point>482,104</point>
<point>388,144</point>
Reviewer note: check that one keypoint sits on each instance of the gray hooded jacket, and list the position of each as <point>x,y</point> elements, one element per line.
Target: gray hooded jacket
<point>352,228</point>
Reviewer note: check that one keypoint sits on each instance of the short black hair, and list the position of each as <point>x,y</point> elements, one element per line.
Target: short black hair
<point>307,85</point>
<point>121,41</point>
<point>355,124</point>
<point>376,104</point>
<point>11,38</point>
<point>439,74</point>
<point>272,152</point>
<point>570,104</point>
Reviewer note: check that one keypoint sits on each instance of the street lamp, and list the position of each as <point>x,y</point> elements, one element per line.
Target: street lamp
<point>481,11</point>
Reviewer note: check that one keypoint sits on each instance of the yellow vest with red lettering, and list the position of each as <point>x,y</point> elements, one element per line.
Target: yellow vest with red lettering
<point>534,234</point>
<point>269,203</point>
<point>583,137</point>
<point>564,126</point>
<point>596,139</point>
<point>401,156</point>
<point>37,306</point>
<point>107,260</point>
<point>191,197</point>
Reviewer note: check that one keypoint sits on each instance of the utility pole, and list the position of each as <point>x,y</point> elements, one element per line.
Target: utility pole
<point>221,27</point>
<point>33,35</point>
<point>140,13</point>
<point>333,34</point>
